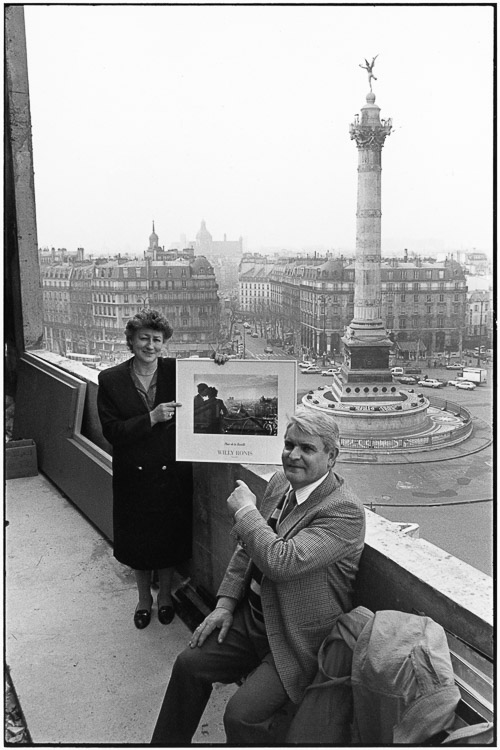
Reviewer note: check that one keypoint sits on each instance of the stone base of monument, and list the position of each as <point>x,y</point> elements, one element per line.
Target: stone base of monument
<point>408,424</point>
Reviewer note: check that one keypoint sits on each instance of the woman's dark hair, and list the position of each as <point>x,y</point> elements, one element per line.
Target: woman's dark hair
<point>147,319</point>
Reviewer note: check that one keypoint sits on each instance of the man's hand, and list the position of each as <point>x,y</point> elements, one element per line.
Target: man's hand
<point>220,618</point>
<point>242,495</point>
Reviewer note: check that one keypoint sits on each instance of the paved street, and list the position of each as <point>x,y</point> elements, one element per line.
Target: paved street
<point>451,500</point>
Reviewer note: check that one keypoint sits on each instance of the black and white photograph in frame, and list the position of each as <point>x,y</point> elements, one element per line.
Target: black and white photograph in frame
<point>236,412</point>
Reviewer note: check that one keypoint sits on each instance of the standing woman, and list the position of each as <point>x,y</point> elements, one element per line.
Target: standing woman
<point>152,494</point>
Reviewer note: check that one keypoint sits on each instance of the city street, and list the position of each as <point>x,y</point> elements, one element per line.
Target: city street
<point>451,500</point>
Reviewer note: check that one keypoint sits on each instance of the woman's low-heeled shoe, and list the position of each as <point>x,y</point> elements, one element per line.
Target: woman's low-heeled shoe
<point>142,618</point>
<point>166,614</point>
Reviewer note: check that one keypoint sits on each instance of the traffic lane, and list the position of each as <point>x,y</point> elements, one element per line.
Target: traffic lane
<point>450,500</point>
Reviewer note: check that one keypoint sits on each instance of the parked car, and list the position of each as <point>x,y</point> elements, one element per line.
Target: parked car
<point>466,385</point>
<point>255,335</point>
<point>453,382</point>
<point>246,325</point>
<point>406,379</point>
<point>456,366</point>
<point>313,370</point>
<point>268,350</point>
<point>397,371</point>
<point>330,372</point>
<point>431,383</point>
<point>305,364</point>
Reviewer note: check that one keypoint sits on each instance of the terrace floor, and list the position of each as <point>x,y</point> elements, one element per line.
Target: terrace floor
<point>82,672</point>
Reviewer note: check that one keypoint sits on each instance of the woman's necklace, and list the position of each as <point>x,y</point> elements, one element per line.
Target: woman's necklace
<point>144,376</point>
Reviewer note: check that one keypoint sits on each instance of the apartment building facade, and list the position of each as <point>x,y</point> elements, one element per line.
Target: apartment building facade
<point>87,305</point>
<point>423,302</point>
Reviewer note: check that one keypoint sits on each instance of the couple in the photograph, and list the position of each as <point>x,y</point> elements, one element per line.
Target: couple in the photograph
<point>209,411</point>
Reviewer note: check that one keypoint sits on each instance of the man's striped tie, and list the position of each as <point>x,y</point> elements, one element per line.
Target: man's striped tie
<point>289,505</point>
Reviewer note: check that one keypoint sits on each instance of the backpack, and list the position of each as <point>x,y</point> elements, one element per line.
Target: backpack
<point>325,714</point>
<point>383,678</point>
<point>402,680</point>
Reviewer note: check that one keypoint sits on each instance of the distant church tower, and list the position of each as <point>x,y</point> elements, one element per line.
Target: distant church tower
<point>203,240</point>
<point>153,244</point>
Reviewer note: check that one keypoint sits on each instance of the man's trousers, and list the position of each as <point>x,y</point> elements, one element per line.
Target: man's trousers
<point>244,653</point>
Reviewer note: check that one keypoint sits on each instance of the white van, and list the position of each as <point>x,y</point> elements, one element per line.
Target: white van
<point>397,371</point>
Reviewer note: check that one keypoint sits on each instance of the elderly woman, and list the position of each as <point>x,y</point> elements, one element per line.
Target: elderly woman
<point>152,494</point>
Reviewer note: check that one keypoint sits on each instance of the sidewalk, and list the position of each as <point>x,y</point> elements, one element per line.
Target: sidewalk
<point>82,672</point>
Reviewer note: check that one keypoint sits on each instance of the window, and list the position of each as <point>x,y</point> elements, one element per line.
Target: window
<point>415,297</point>
<point>428,298</point>
<point>429,308</point>
<point>441,297</point>
<point>440,321</point>
<point>402,322</point>
<point>403,298</point>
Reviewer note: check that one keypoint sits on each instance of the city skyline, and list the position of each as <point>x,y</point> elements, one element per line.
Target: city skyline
<point>240,116</point>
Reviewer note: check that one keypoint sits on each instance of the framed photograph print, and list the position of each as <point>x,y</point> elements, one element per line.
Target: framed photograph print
<point>236,412</point>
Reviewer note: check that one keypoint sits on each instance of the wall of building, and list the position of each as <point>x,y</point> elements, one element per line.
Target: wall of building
<point>422,300</point>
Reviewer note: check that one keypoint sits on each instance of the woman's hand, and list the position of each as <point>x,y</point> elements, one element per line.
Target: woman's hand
<point>219,358</point>
<point>163,412</point>
<point>220,618</point>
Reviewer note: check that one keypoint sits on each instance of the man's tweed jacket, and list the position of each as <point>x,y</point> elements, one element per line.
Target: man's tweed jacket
<point>308,568</point>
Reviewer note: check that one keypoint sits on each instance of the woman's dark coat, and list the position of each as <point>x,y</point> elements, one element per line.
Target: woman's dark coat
<point>152,494</point>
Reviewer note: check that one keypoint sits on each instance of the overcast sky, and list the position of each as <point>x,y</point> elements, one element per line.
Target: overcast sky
<point>240,116</point>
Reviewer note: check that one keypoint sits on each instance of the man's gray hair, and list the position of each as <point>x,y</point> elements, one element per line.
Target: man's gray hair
<point>318,423</point>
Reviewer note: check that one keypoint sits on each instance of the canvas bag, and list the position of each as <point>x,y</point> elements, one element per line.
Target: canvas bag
<point>325,714</point>
<point>403,683</point>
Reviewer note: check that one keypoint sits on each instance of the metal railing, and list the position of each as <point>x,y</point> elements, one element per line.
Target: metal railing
<point>437,439</point>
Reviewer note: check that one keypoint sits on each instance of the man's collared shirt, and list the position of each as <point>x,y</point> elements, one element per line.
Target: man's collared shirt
<point>301,495</point>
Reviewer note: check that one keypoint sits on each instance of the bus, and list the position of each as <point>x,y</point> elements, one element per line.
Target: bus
<point>91,360</point>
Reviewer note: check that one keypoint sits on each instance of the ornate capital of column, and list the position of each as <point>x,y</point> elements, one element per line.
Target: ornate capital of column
<point>370,137</point>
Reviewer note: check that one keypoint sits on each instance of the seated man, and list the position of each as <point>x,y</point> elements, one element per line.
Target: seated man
<point>291,575</point>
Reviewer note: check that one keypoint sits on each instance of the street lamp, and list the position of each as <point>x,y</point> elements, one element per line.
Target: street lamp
<point>322,298</point>
<point>480,327</point>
